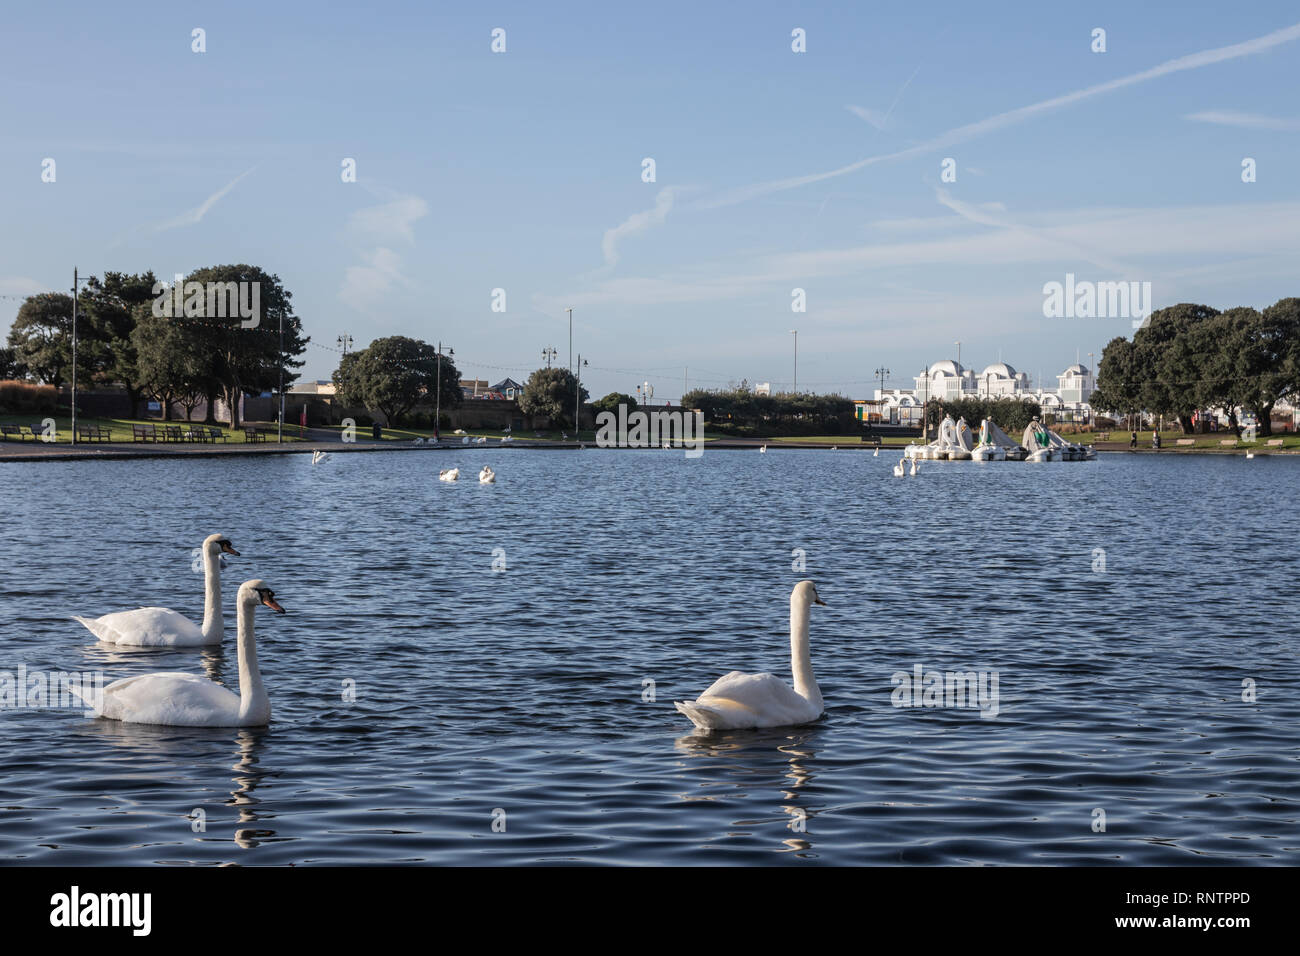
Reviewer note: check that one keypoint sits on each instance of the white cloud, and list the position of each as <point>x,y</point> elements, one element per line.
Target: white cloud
<point>874,117</point>
<point>635,224</point>
<point>195,215</point>
<point>961,134</point>
<point>1244,120</point>
<point>391,220</point>
<point>365,285</point>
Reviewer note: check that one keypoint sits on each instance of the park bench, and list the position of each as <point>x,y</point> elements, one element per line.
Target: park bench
<point>37,432</point>
<point>1275,443</point>
<point>89,433</point>
<point>1228,442</point>
<point>1186,441</point>
<point>215,434</point>
<point>254,435</point>
<point>8,431</point>
<point>144,433</point>
<point>174,433</point>
<point>1103,436</point>
<point>196,433</point>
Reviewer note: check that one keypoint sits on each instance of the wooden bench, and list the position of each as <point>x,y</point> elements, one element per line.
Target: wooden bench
<point>254,435</point>
<point>174,433</point>
<point>1275,442</point>
<point>1103,436</point>
<point>144,433</point>
<point>1186,441</point>
<point>9,431</point>
<point>215,434</point>
<point>38,433</point>
<point>196,433</point>
<point>1228,442</point>
<point>91,433</point>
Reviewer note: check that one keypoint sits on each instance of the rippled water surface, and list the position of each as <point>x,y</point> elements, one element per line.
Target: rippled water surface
<point>524,690</point>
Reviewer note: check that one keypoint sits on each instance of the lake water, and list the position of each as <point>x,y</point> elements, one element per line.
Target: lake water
<point>1119,690</point>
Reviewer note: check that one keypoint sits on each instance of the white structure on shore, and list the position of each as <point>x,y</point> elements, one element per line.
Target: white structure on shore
<point>948,380</point>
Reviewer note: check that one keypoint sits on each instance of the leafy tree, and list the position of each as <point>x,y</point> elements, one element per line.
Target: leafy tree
<point>245,360</point>
<point>611,402</point>
<point>739,410</point>
<point>395,374</point>
<point>1011,414</point>
<point>551,392</point>
<point>41,338</point>
<point>10,367</point>
<point>111,306</point>
<point>171,363</point>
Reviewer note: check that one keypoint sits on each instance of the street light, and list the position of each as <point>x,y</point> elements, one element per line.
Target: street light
<point>577,398</point>
<point>795,333</point>
<point>570,311</point>
<point>549,354</point>
<point>345,342</point>
<point>75,282</point>
<point>437,402</point>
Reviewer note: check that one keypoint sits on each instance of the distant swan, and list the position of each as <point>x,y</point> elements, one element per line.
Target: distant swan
<point>163,627</point>
<point>487,476</point>
<point>914,468</point>
<point>449,474</point>
<point>1250,454</point>
<point>898,469</point>
<point>318,456</point>
<point>185,700</point>
<point>737,701</point>
<point>876,453</point>
<point>763,449</point>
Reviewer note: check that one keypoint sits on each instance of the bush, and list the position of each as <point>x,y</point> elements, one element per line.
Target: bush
<point>21,398</point>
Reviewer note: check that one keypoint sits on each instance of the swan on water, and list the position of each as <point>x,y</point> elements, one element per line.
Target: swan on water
<point>914,467</point>
<point>1250,454</point>
<point>449,474</point>
<point>876,453</point>
<point>163,627</point>
<point>898,469</point>
<point>738,701</point>
<point>318,456</point>
<point>763,449</point>
<point>186,700</point>
<point>487,476</point>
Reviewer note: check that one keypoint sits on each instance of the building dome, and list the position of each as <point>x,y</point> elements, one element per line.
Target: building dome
<point>1000,370</point>
<point>946,367</point>
<point>1075,369</point>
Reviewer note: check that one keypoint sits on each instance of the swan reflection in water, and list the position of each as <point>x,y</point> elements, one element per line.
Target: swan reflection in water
<point>780,757</point>
<point>187,745</point>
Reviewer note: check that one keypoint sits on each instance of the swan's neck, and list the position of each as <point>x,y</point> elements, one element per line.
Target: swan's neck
<point>214,623</point>
<point>254,705</point>
<point>805,685</point>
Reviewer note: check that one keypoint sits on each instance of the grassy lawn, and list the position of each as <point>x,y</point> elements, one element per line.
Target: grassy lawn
<point>121,428</point>
<point>848,441</point>
<point>1169,439</point>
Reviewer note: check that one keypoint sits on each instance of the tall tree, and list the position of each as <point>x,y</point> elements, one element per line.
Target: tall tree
<point>392,375</point>
<point>552,392</point>
<point>41,338</point>
<point>111,306</point>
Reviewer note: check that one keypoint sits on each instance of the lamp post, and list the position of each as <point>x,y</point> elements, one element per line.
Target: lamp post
<point>75,283</point>
<point>795,333</point>
<point>570,311</point>
<point>577,398</point>
<point>437,401</point>
<point>279,425</point>
<point>549,354</point>
<point>881,373</point>
<point>345,342</point>
<point>925,408</point>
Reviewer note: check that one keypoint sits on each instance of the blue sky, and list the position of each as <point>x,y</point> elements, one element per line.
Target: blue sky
<point>775,171</point>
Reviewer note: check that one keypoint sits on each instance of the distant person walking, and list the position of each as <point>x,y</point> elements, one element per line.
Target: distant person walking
<point>1155,440</point>
<point>1133,440</point>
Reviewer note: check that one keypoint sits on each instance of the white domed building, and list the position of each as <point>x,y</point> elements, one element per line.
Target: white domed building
<point>944,380</point>
<point>1000,380</point>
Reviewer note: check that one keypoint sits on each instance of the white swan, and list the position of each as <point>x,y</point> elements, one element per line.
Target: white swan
<point>449,474</point>
<point>914,467</point>
<point>1249,455</point>
<point>318,456</point>
<point>898,469</point>
<point>163,627</point>
<point>185,700</point>
<point>763,449</point>
<point>876,453</point>
<point>487,476</point>
<point>737,700</point>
